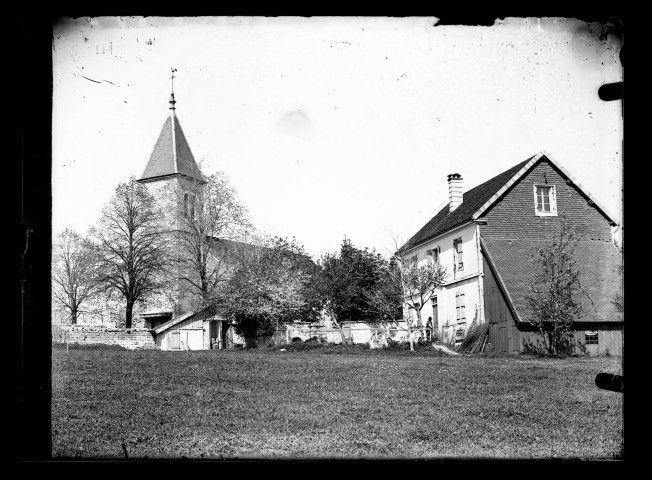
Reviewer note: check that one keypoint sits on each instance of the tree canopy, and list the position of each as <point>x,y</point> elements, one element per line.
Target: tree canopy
<point>210,215</point>
<point>75,276</point>
<point>133,253</point>
<point>347,280</point>
<point>271,284</point>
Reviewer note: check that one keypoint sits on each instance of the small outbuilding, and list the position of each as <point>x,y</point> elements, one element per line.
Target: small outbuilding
<point>197,330</point>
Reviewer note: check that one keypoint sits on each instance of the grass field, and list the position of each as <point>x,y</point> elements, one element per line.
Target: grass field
<point>329,402</point>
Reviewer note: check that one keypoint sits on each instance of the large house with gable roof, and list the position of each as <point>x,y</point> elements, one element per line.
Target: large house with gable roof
<point>486,238</point>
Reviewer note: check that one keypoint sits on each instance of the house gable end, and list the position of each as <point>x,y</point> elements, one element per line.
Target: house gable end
<point>543,156</point>
<point>514,215</point>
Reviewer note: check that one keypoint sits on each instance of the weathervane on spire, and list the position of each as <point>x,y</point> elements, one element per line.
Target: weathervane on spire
<point>172,100</point>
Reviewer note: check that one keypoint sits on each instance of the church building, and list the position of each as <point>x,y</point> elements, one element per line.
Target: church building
<point>173,177</point>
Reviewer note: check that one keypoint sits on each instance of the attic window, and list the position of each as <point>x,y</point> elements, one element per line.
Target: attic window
<point>545,200</point>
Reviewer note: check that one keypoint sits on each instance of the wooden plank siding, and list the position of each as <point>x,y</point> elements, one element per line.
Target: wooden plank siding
<point>610,338</point>
<point>503,334</point>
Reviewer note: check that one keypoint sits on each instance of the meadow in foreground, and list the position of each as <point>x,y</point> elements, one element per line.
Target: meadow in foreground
<point>332,402</point>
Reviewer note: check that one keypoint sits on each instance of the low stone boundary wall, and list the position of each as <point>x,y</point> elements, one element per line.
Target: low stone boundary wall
<point>131,339</point>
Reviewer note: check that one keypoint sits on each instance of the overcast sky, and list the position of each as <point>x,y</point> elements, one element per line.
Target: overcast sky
<point>332,127</point>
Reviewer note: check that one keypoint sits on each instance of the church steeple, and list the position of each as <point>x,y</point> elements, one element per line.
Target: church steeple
<point>171,154</point>
<point>172,100</point>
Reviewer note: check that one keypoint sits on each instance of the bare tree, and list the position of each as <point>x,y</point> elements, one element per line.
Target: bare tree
<point>75,279</point>
<point>409,285</point>
<point>552,293</point>
<point>210,218</point>
<point>133,254</point>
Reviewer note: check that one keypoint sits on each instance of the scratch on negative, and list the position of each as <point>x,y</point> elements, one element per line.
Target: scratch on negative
<point>27,232</point>
<point>91,79</point>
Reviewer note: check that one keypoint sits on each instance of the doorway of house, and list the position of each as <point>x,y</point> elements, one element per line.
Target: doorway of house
<point>435,317</point>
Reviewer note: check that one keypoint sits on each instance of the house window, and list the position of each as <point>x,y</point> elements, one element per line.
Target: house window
<point>413,261</point>
<point>591,338</point>
<point>433,256</point>
<point>458,263</point>
<point>460,307</point>
<point>545,200</point>
<point>185,205</point>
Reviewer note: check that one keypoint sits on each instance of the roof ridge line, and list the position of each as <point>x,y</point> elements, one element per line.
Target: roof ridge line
<point>175,157</point>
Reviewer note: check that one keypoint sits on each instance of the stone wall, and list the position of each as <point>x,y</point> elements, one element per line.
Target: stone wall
<point>132,339</point>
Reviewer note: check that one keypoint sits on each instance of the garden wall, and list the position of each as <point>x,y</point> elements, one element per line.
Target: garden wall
<point>90,334</point>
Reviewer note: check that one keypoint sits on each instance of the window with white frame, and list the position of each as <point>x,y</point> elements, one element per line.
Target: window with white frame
<point>545,200</point>
<point>458,261</point>
<point>591,338</point>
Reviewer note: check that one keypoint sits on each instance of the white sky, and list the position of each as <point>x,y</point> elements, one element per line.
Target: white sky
<point>389,107</point>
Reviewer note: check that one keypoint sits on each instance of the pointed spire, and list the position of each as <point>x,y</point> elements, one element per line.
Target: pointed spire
<point>171,154</point>
<point>172,100</point>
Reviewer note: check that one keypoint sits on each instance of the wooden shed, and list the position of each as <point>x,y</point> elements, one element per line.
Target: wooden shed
<point>197,330</point>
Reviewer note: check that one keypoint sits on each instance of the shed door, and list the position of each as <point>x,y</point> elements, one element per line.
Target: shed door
<point>174,340</point>
<point>195,340</point>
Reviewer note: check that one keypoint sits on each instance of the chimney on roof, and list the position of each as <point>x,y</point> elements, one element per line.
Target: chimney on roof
<point>455,191</point>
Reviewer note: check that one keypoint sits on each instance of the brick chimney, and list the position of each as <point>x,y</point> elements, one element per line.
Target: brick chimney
<point>455,191</point>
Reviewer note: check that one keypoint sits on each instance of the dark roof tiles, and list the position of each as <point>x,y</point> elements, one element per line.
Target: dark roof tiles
<point>171,154</point>
<point>473,200</point>
<point>597,262</point>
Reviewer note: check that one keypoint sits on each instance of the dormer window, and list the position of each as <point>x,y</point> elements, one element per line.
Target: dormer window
<point>545,200</point>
